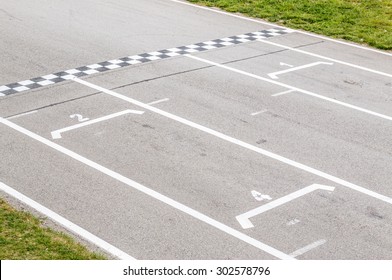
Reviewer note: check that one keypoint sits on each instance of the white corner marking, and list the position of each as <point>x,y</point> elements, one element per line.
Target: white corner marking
<point>244,221</point>
<point>56,134</point>
<point>274,75</point>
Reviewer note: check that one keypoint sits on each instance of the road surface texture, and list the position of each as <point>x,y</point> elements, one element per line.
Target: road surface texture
<point>161,130</point>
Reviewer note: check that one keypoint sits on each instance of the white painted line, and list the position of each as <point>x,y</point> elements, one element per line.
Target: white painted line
<point>21,115</point>
<point>239,142</point>
<point>2,94</point>
<point>244,221</point>
<point>274,75</point>
<point>281,93</point>
<point>292,88</point>
<point>327,58</point>
<point>307,248</point>
<point>259,112</point>
<point>158,101</point>
<point>66,223</point>
<point>236,142</point>
<point>285,64</point>
<point>275,25</point>
<point>56,134</point>
<point>179,206</point>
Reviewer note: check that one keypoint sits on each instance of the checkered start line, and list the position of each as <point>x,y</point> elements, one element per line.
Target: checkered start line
<point>137,59</point>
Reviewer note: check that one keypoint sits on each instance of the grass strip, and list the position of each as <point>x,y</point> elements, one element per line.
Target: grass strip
<point>24,237</point>
<point>361,21</point>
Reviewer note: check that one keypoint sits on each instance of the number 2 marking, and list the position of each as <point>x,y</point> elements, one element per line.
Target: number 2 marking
<point>80,117</point>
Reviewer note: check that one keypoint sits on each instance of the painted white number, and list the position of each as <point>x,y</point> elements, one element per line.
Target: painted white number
<point>260,197</point>
<point>80,117</point>
<point>244,219</point>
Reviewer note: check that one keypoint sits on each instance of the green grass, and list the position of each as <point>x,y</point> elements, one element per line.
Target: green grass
<point>23,237</point>
<point>362,21</point>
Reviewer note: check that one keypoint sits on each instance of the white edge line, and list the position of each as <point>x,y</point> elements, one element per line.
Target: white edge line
<point>237,142</point>
<point>281,93</point>
<point>326,58</point>
<point>158,196</point>
<point>292,87</point>
<point>56,134</point>
<point>66,223</point>
<point>158,101</point>
<point>280,26</point>
<point>21,115</point>
<point>307,248</point>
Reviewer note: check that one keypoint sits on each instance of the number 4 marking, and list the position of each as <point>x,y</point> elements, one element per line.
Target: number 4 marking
<point>260,197</point>
<point>244,221</point>
<point>80,117</point>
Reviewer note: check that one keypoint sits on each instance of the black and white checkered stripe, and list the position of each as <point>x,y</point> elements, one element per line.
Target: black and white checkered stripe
<point>137,59</point>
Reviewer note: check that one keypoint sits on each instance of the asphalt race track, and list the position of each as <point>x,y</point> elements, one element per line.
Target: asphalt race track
<point>161,130</point>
